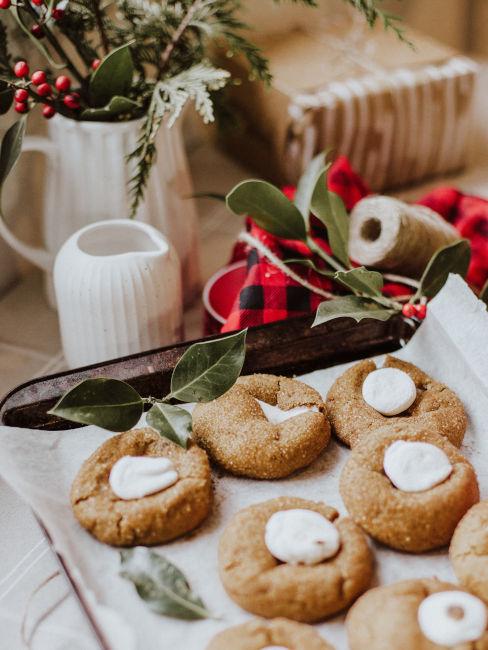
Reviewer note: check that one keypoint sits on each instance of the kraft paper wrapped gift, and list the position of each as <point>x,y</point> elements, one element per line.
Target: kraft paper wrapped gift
<point>399,114</point>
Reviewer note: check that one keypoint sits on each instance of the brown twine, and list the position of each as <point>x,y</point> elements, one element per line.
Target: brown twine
<point>27,638</point>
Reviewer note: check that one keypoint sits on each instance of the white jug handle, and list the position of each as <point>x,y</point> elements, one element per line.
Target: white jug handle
<point>38,256</point>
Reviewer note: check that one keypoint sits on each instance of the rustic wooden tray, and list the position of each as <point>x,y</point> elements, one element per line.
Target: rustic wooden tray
<point>288,347</point>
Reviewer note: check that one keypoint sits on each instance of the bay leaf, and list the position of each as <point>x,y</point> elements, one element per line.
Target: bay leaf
<point>11,148</point>
<point>171,422</point>
<point>114,107</point>
<point>361,280</point>
<point>329,208</point>
<point>307,262</point>
<point>453,258</point>
<point>350,307</point>
<point>208,369</point>
<point>162,586</point>
<point>108,403</point>
<point>112,77</point>
<point>269,208</point>
<point>307,182</point>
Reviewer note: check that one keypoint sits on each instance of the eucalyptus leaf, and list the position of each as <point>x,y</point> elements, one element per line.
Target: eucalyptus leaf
<point>361,280</point>
<point>11,148</point>
<point>484,294</point>
<point>115,106</point>
<point>6,99</point>
<point>162,586</point>
<point>269,208</point>
<point>208,369</point>
<point>329,208</point>
<point>350,307</point>
<point>113,76</point>
<point>108,403</point>
<point>305,261</point>
<point>453,258</point>
<point>171,422</point>
<point>307,182</point>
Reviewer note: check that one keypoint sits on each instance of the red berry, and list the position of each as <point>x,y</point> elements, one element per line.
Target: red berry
<point>37,31</point>
<point>21,107</point>
<point>38,77</point>
<point>95,63</point>
<point>38,3</point>
<point>4,4</point>
<point>21,69</point>
<point>421,311</point>
<point>409,310</point>
<point>63,83</point>
<point>48,112</point>
<point>57,14</point>
<point>72,101</point>
<point>21,95</point>
<point>44,90</point>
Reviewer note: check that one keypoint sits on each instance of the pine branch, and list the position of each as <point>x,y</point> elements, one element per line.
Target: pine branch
<point>373,14</point>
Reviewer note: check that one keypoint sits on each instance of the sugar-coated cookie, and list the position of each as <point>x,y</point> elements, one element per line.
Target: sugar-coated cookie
<point>276,633</point>
<point>417,615</point>
<point>436,407</point>
<point>419,519</point>
<point>238,435</point>
<point>469,550</point>
<point>179,506</point>
<point>266,586</point>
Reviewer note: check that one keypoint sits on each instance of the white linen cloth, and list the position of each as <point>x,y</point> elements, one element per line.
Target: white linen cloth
<point>451,345</point>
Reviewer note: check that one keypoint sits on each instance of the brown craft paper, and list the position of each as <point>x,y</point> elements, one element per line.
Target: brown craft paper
<point>399,114</point>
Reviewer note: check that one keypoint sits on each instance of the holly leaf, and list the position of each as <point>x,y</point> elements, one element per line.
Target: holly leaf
<point>453,258</point>
<point>208,369</point>
<point>361,281</point>
<point>112,77</point>
<point>161,585</point>
<point>269,208</point>
<point>330,209</point>
<point>484,294</point>
<point>304,261</point>
<point>115,106</point>
<point>350,307</point>
<point>171,422</point>
<point>307,182</point>
<point>11,148</point>
<point>108,403</point>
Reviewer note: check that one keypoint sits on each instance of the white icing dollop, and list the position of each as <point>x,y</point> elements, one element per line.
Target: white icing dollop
<point>414,466</point>
<point>133,477</point>
<point>275,415</point>
<point>389,391</point>
<point>300,536</point>
<point>451,618</point>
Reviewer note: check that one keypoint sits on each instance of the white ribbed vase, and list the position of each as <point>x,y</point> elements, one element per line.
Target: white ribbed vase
<point>87,181</point>
<point>118,289</point>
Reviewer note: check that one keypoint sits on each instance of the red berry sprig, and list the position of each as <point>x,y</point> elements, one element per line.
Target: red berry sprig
<point>72,101</point>
<point>63,83</point>
<point>415,311</point>
<point>21,95</point>
<point>5,4</point>
<point>38,77</point>
<point>38,3</point>
<point>48,111</point>
<point>57,14</point>
<point>21,69</point>
<point>21,107</point>
<point>95,63</point>
<point>37,30</point>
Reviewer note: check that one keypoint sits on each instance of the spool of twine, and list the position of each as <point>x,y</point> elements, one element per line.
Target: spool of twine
<point>395,236</point>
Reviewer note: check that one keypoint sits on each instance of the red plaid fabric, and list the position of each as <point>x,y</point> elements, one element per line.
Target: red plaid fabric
<point>269,295</point>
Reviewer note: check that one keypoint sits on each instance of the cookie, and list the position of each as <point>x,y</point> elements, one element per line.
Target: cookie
<point>418,520</point>
<point>469,550</point>
<point>266,586</point>
<point>151,519</point>
<point>401,615</point>
<point>238,436</point>
<point>436,407</point>
<point>277,633</point>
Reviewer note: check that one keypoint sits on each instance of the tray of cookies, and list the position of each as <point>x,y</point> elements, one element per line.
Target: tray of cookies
<point>328,508</point>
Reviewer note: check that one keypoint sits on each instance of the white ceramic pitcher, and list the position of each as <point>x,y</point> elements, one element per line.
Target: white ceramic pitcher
<point>87,181</point>
<point>118,291</point>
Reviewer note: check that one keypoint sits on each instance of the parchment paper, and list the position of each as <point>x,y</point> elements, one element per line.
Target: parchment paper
<point>451,345</point>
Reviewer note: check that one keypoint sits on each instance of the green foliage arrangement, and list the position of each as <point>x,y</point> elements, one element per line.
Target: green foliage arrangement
<point>112,60</point>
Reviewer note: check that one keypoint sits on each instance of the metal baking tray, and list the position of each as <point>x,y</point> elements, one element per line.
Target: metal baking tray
<point>287,348</point>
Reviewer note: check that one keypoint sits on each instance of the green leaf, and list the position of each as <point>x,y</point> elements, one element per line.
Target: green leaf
<point>108,403</point>
<point>350,307</point>
<point>361,280</point>
<point>484,294</point>
<point>162,586</point>
<point>6,99</point>
<point>209,369</point>
<point>269,208</point>
<point>304,261</point>
<point>171,422</point>
<point>306,184</point>
<point>113,76</point>
<point>454,258</point>
<point>11,148</point>
<point>329,208</point>
<point>115,106</point>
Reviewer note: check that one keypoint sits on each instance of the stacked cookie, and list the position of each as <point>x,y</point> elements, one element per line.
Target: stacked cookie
<point>295,561</point>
